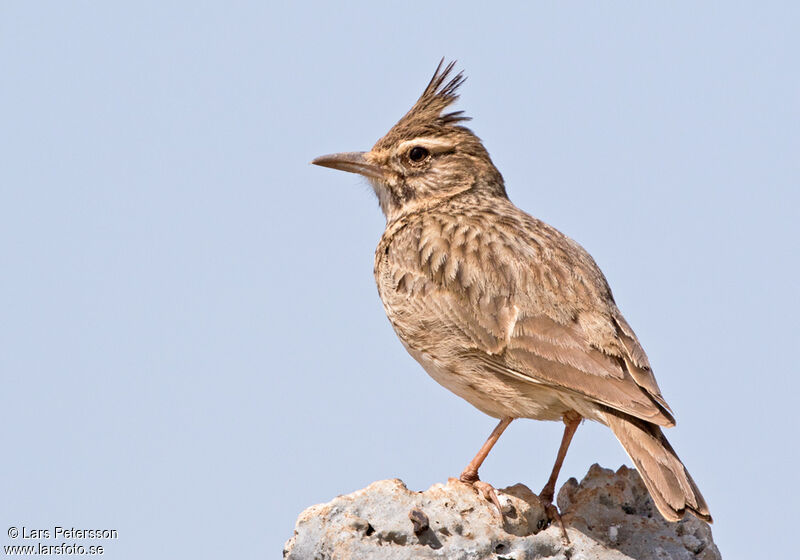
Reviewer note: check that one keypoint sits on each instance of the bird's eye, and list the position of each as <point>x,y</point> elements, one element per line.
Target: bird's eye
<point>418,153</point>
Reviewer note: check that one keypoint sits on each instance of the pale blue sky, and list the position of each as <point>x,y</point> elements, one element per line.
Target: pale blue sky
<point>192,348</point>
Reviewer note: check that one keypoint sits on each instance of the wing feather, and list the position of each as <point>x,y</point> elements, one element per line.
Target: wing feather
<point>521,298</point>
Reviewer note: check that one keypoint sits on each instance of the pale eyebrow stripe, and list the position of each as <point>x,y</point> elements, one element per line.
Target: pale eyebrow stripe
<point>435,145</point>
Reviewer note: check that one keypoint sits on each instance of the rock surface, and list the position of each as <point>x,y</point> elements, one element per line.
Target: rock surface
<point>608,515</point>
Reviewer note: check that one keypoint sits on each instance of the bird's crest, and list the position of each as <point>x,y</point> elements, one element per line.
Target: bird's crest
<point>439,95</point>
<point>427,115</point>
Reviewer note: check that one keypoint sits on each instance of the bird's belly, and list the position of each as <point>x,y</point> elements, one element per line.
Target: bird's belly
<point>496,395</point>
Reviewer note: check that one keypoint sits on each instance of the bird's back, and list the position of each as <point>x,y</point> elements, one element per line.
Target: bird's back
<point>478,287</point>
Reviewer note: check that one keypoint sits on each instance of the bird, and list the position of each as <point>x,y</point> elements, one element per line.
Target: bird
<point>503,309</point>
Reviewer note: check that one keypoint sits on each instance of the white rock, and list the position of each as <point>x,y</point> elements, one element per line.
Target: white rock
<point>609,516</point>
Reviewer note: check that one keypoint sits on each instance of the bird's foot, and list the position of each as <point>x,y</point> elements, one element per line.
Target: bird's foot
<point>552,514</point>
<point>484,489</point>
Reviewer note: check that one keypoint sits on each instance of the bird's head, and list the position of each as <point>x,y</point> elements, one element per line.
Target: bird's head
<point>427,157</point>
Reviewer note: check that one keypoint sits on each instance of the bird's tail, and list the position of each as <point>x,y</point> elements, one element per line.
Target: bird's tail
<point>669,483</point>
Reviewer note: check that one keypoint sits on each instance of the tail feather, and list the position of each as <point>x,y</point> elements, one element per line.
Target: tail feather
<point>669,483</point>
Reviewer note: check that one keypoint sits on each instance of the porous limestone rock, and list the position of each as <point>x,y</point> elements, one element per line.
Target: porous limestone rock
<point>608,516</point>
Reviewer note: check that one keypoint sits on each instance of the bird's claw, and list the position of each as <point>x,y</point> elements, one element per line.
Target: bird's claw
<point>552,514</point>
<point>488,492</point>
<point>484,489</point>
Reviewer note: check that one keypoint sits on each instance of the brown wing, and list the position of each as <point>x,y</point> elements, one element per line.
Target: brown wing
<point>522,298</point>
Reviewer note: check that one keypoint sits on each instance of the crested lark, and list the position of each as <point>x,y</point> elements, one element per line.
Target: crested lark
<point>502,309</point>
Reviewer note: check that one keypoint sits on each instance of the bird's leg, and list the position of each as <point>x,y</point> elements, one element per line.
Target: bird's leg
<point>571,422</point>
<point>470,474</point>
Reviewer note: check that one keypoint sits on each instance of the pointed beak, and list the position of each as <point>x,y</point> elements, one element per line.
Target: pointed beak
<point>354,162</point>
